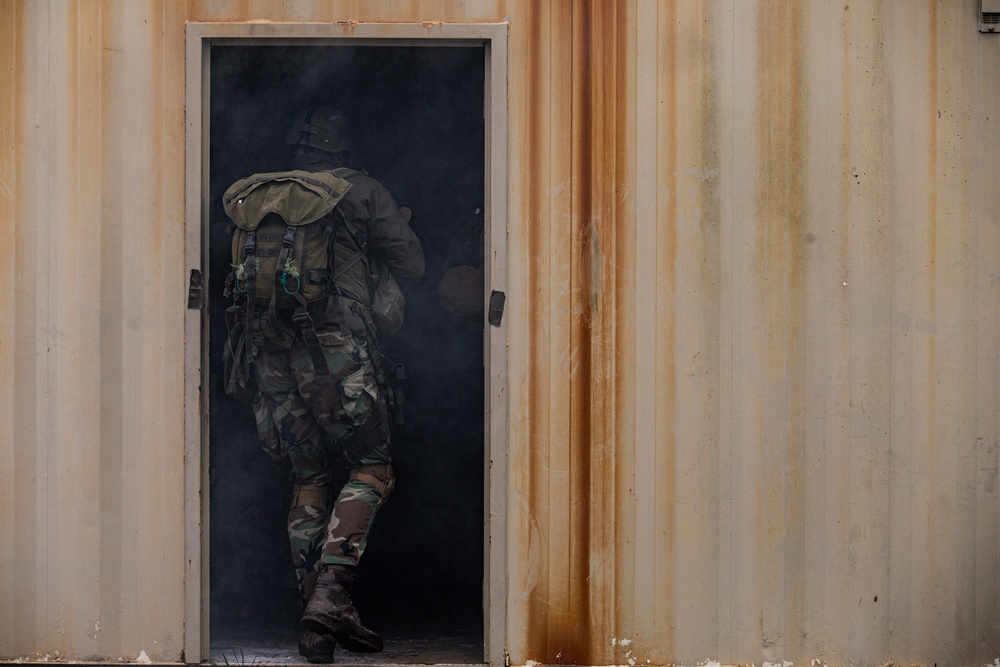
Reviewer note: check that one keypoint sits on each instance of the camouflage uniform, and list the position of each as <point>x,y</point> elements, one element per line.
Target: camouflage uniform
<point>317,426</point>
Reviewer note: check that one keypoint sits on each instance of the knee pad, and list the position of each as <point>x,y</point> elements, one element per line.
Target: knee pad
<point>315,495</point>
<point>379,477</point>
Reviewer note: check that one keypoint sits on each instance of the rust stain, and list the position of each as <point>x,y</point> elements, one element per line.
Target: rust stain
<point>574,635</point>
<point>534,180</point>
<point>569,624</point>
<point>781,300</point>
<point>798,273</point>
<point>623,430</point>
<point>708,280</point>
<point>665,615</point>
<point>25,369</point>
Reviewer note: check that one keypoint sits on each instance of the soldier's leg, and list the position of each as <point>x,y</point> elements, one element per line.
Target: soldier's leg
<point>308,517</point>
<point>352,414</point>
<point>295,436</point>
<point>356,427</point>
<point>331,609</point>
<point>368,487</point>
<point>307,521</point>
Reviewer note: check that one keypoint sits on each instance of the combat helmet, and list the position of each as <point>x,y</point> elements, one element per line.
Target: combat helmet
<point>321,127</point>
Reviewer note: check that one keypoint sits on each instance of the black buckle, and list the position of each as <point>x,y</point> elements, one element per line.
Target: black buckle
<point>302,319</point>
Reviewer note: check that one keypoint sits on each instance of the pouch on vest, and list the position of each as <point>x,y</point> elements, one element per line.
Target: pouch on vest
<point>388,303</point>
<point>238,378</point>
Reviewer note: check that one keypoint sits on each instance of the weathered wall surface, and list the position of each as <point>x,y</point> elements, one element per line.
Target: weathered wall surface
<point>91,502</point>
<point>755,413</point>
<point>753,315</point>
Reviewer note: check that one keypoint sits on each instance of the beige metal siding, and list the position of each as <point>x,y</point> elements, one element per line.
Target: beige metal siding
<point>752,311</point>
<point>754,417</point>
<point>91,555</point>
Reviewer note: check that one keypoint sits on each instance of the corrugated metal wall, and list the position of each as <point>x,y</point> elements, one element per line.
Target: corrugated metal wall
<point>91,494</point>
<point>753,314</point>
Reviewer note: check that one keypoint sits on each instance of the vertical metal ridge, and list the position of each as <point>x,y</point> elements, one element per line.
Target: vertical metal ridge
<point>642,628</point>
<point>11,45</point>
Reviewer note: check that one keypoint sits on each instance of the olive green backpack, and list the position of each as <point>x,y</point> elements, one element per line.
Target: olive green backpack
<point>282,237</point>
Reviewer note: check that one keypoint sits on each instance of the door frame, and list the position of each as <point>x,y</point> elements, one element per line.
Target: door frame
<point>200,37</point>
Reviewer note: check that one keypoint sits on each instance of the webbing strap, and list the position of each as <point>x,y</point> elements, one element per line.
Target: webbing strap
<point>349,263</point>
<point>304,321</point>
<point>360,241</point>
<point>286,253</point>
<point>253,327</point>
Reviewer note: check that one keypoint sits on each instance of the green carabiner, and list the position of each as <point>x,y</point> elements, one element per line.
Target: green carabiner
<point>284,282</point>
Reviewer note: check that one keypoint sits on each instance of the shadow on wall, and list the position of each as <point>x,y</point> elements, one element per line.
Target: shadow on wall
<point>418,119</point>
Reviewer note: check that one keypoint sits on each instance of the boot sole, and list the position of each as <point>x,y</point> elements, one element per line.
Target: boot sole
<point>314,654</point>
<point>345,636</point>
<point>318,658</point>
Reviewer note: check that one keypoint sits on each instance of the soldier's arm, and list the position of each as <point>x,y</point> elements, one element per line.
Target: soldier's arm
<point>392,239</point>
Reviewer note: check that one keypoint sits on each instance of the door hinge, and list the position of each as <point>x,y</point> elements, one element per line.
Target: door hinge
<point>196,291</point>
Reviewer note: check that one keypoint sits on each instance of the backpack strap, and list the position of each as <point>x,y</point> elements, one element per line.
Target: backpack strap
<point>303,320</point>
<point>360,238</point>
<point>284,255</point>
<point>254,335</point>
<point>349,263</point>
<point>301,317</point>
<point>359,234</point>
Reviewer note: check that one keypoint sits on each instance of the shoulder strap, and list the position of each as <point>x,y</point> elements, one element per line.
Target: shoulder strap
<point>350,262</point>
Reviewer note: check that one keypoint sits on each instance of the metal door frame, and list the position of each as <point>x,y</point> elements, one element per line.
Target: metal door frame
<point>200,38</point>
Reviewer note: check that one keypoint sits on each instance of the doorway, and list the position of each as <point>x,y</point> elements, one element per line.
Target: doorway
<point>420,121</point>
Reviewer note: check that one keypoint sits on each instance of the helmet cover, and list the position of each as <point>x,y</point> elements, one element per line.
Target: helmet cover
<point>321,127</point>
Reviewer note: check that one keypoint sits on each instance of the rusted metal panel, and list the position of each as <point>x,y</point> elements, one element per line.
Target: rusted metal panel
<point>752,308</point>
<point>789,437</point>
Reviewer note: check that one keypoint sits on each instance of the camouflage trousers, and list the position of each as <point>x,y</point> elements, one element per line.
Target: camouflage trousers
<point>317,427</point>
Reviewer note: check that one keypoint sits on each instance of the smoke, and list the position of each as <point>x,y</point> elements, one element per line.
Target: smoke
<point>417,114</point>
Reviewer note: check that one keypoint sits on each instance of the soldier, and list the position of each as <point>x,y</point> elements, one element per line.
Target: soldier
<point>317,426</point>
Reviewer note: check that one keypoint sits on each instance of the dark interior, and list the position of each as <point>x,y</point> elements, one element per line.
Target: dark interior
<point>417,113</point>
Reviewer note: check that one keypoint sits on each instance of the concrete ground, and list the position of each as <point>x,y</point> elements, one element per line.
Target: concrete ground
<point>282,649</point>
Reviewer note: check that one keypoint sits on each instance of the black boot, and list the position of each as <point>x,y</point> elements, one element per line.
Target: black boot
<point>315,647</point>
<point>331,612</point>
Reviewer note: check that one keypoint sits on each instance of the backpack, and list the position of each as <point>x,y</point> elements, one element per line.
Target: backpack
<point>282,253</point>
<point>282,237</point>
